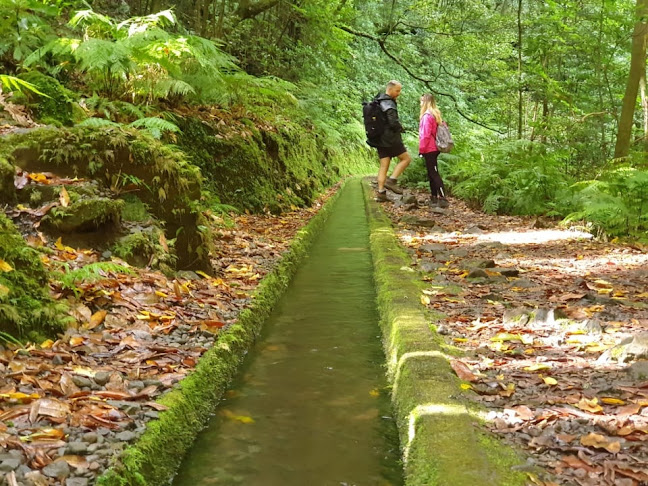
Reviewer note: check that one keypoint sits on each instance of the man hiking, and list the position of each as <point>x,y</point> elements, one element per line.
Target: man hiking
<point>390,143</point>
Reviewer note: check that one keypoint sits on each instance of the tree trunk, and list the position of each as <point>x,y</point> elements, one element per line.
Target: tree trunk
<point>520,90</point>
<point>637,66</point>
<point>644,107</point>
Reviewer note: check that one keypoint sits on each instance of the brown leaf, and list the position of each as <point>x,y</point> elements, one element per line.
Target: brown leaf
<point>96,319</point>
<point>462,370</point>
<point>600,442</point>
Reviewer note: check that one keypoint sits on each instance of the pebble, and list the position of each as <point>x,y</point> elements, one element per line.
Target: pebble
<point>76,482</point>
<point>81,381</point>
<point>57,469</point>
<point>76,448</point>
<point>9,465</point>
<point>101,378</point>
<point>126,436</point>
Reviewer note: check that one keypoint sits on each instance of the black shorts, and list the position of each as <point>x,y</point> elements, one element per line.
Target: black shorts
<point>390,152</point>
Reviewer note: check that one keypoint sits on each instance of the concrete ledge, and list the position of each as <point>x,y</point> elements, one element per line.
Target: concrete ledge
<point>155,458</point>
<point>442,441</point>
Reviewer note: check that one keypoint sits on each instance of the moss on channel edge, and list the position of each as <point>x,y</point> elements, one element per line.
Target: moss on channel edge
<point>155,458</point>
<point>441,440</point>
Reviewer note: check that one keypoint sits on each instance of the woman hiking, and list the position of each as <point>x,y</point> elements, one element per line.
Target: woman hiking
<point>430,120</point>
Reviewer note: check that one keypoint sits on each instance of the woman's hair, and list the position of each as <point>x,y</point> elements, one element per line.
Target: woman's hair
<point>429,106</point>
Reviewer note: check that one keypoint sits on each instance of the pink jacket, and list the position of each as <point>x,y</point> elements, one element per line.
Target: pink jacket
<point>427,134</point>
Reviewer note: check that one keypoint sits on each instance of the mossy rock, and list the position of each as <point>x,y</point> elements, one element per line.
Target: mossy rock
<point>143,248</point>
<point>166,182</point>
<point>26,310</point>
<point>58,108</point>
<point>7,189</point>
<point>85,215</point>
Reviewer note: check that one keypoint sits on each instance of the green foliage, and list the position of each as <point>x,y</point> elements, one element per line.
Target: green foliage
<point>616,205</point>
<point>93,272</point>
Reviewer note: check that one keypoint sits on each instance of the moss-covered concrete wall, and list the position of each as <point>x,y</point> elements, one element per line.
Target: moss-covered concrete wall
<point>441,440</point>
<point>157,455</point>
<point>270,168</point>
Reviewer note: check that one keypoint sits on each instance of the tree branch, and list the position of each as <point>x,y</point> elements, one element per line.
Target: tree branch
<point>426,82</point>
<point>248,10</point>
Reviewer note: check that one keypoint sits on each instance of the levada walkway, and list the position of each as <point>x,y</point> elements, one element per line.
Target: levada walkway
<point>310,405</point>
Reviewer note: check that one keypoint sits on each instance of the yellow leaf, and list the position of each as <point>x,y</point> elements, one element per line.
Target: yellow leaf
<point>375,392</point>
<point>466,386</point>
<point>643,295</point>
<point>425,300</point>
<point>550,381</point>
<point>538,367</point>
<point>64,197</point>
<point>160,294</point>
<point>600,442</point>
<point>202,274</point>
<point>5,267</point>
<point>612,401</point>
<point>97,318</point>
<point>4,291</point>
<point>47,344</point>
<point>589,405</point>
<point>460,340</point>
<point>59,244</point>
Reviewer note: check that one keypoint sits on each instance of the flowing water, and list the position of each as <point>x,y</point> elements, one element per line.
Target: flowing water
<point>309,407</point>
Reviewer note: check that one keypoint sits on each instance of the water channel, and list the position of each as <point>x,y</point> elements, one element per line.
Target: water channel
<point>310,405</point>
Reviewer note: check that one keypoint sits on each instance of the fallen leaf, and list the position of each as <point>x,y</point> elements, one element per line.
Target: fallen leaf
<point>601,442</point>
<point>591,406</point>
<point>5,267</point>
<point>64,197</point>
<point>462,370</point>
<point>96,319</point>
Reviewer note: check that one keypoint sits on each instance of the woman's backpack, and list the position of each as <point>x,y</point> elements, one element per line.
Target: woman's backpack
<point>444,140</point>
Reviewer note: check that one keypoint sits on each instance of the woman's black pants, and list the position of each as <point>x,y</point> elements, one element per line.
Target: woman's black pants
<point>436,184</point>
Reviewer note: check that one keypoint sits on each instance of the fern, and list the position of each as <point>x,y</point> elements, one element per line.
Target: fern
<point>90,273</point>
<point>12,83</point>
<point>156,126</point>
<point>98,123</point>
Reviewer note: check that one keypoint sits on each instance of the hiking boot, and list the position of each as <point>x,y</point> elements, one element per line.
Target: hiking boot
<point>443,202</point>
<point>381,196</point>
<point>393,186</point>
<point>434,202</point>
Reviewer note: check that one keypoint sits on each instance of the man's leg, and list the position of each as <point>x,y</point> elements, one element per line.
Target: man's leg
<point>404,161</point>
<point>382,172</point>
<point>391,183</point>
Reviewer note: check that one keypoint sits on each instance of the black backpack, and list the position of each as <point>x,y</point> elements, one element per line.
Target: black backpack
<point>374,121</point>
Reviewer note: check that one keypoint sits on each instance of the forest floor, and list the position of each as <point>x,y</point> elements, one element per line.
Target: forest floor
<point>554,328</point>
<point>68,406</point>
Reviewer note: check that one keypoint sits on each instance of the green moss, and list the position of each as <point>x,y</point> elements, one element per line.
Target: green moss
<point>144,249</point>
<point>26,310</point>
<point>85,215</point>
<point>7,189</point>
<point>134,209</point>
<point>441,440</point>
<point>57,108</point>
<point>157,455</point>
<point>168,184</point>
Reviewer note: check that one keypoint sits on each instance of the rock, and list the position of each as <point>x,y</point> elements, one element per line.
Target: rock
<point>9,465</point>
<point>473,230</point>
<point>429,267</point>
<point>437,210</point>
<point>58,360</point>
<point>523,284</point>
<point>76,482</point>
<point>90,437</point>
<point>410,207</point>
<point>76,448</point>
<point>35,478</point>
<point>81,381</point>
<point>433,247</point>
<point>505,271</point>
<point>137,384</point>
<point>631,348</point>
<point>128,407</point>
<point>459,252</point>
<point>638,370</point>
<point>126,436</point>
<point>477,273</point>
<point>101,378</point>
<point>58,469</point>
<point>517,316</point>
<point>409,199</point>
<point>188,275</point>
<point>493,297</point>
<point>438,229</point>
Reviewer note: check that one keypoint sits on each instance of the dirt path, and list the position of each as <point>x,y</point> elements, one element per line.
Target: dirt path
<point>540,314</point>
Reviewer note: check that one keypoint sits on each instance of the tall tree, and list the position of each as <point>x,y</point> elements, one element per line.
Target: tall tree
<point>637,70</point>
